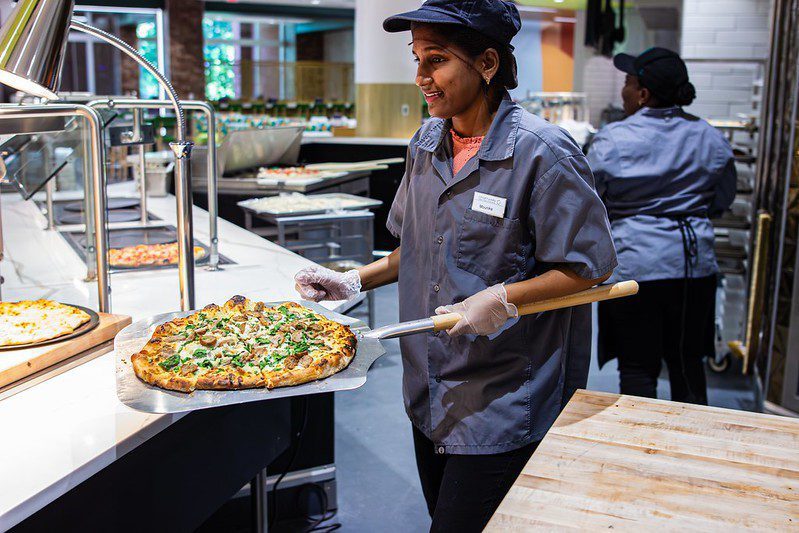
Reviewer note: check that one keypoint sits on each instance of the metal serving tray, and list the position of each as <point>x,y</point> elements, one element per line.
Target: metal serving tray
<point>120,238</point>
<point>363,203</point>
<point>143,397</point>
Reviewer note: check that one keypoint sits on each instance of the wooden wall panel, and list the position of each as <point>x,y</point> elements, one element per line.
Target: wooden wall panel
<point>380,110</point>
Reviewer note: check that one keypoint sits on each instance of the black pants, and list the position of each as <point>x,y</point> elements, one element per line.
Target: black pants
<point>463,491</point>
<point>645,330</point>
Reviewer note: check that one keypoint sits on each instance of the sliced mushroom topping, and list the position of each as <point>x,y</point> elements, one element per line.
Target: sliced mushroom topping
<point>315,326</point>
<point>191,335</point>
<point>306,360</point>
<point>264,321</point>
<point>259,306</point>
<point>189,368</point>
<point>296,336</point>
<point>173,338</point>
<point>167,350</point>
<point>242,326</point>
<point>238,318</point>
<point>248,357</point>
<point>208,340</point>
<point>291,361</point>
<point>225,360</point>
<point>201,331</point>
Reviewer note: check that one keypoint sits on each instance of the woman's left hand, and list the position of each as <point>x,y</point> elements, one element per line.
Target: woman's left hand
<point>483,313</point>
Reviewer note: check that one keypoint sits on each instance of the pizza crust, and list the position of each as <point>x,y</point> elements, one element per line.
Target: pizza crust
<point>331,348</point>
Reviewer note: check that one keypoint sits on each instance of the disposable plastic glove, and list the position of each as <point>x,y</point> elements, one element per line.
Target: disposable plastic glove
<point>483,314</point>
<point>318,283</point>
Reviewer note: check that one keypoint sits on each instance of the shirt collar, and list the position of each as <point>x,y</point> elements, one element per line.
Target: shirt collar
<point>661,112</point>
<point>498,143</point>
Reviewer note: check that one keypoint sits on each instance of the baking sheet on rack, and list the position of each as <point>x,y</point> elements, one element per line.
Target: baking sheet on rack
<point>253,204</point>
<point>278,180</point>
<point>143,397</point>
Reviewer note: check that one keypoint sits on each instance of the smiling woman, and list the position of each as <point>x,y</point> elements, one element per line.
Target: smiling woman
<point>497,209</point>
<point>459,67</point>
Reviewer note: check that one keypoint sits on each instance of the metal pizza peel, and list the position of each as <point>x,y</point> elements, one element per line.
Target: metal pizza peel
<point>144,397</point>
<point>141,396</point>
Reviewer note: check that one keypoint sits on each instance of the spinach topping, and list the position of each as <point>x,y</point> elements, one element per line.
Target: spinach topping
<point>170,363</point>
<point>206,363</point>
<point>286,313</point>
<point>200,352</point>
<point>297,347</point>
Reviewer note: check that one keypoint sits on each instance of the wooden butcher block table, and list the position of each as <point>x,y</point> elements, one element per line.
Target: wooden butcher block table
<point>633,464</point>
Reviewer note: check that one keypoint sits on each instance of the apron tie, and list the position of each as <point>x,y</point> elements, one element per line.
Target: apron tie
<point>690,248</point>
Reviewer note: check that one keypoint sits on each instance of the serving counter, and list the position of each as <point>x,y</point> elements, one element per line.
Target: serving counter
<point>60,431</point>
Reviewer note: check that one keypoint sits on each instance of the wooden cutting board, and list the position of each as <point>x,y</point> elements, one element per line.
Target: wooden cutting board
<point>621,463</point>
<point>18,364</point>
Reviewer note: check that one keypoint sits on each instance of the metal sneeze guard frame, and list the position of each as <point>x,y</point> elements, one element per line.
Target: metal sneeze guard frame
<point>212,160</point>
<point>95,181</point>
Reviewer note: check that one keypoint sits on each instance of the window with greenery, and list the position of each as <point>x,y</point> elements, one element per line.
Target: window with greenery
<point>146,33</point>
<point>219,59</point>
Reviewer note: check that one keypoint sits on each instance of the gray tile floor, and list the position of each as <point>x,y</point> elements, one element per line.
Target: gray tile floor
<point>378,488</point>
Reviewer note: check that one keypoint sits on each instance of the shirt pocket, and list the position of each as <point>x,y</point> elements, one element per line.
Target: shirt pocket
<point>490,247</point>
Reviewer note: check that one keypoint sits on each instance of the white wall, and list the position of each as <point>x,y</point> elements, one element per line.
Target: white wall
<point>725,44</point>
<point>382,57</point>
<point>602,83</point>
<point>528,58</point>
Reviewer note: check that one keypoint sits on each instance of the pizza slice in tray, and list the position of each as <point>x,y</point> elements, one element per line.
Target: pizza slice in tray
<point>242,345</point>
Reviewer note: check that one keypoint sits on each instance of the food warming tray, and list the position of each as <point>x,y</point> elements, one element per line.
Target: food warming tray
<point>112,203</point>
<point>363,203</point>
<point>144,397</point>
<point>120,238</point>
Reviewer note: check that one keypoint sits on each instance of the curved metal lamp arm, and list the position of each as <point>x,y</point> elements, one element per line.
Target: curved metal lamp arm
<point>141,60</point>
<point>182,150</point>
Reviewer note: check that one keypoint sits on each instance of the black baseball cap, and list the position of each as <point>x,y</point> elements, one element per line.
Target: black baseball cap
<point>496,19</point>
<point>658,69</point>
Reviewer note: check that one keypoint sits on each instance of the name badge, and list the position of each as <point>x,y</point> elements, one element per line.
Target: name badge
<point>490,205</point>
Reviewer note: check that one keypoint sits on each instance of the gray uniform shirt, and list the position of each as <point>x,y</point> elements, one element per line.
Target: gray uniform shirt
<point>652,167</point>
<point>483,395</point>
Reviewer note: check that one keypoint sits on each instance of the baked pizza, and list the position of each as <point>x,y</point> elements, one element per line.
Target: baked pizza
<point>242,345</point>
<point>31,321</point>
<point>143,255</point>
<point>288,173</point>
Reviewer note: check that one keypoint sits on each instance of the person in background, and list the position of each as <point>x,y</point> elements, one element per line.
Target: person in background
<point>496,209</point>
<point>662,174</point>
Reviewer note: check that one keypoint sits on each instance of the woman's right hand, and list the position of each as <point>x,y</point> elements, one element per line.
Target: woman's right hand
<point>318,283</point>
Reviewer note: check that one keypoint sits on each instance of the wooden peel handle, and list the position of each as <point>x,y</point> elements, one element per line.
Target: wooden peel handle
<point>597,294</point>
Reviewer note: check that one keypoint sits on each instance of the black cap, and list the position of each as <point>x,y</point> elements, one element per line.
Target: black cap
<point>496,19</point>
<point>661,71</point>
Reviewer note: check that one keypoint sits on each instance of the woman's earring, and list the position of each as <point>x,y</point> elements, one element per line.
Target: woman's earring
<point>488,80</point>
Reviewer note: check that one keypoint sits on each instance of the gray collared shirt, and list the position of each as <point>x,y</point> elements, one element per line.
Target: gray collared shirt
<point>482,395</point>
<point>653,166</point>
